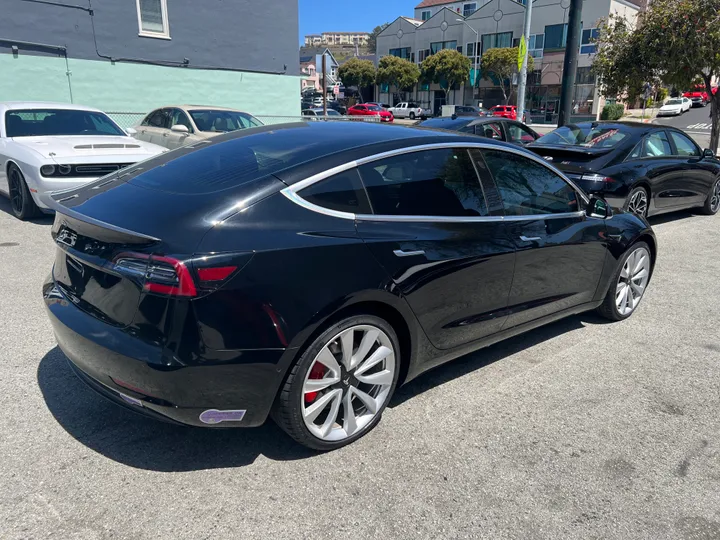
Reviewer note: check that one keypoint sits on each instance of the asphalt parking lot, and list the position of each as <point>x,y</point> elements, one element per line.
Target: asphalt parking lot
<point>580,429</point>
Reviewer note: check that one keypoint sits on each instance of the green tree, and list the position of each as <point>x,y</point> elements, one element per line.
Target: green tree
<point>676,42</point>
<point>372,40</point>
<point>356,72</point>
<point>502,64</point>
<point>446,68</point>
<point>397,72</point>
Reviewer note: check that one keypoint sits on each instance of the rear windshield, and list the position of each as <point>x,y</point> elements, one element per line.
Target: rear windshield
<point>52,122</point>
<point>443,123</point>
<point>228,161</point>
<point>585,135</point>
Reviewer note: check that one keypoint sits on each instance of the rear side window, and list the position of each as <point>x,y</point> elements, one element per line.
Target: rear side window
<point>343,192</point>
<point>528,188</point>
<point>685,147</point>
<point>654,145</point>
<point>429,183</point>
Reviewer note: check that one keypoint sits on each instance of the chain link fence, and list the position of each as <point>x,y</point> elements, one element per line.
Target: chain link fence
<point>131,119</point>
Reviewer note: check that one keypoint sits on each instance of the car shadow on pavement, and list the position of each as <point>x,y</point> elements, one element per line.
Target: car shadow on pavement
<point>43,219</point>
<point>489,355</point>
<point>670,217</point>
<point>144,443</point>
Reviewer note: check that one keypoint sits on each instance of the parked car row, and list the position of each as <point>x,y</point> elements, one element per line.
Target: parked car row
<point>699,96</point>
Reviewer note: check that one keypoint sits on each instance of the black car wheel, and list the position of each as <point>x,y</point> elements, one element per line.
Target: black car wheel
<point>637,202</point>
<point>337,390</point>
<point>628,285</point>
<point>412,116</point>
<point>21,202</point>
<point>712,204</point>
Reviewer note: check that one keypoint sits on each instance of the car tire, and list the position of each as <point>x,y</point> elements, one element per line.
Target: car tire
<point>412,116</point>
<point>712,203</point>
<point>635,200</point>
<point>628,283</point>
<point>21,202</point>
<point>293,410</point>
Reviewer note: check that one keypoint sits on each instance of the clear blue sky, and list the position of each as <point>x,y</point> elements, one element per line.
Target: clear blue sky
<point>318,16</point>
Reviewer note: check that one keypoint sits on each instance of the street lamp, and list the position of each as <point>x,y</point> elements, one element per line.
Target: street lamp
<point>477,39</point>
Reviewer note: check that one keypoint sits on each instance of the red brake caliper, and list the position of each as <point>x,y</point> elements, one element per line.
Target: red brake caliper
<point>317,372</point>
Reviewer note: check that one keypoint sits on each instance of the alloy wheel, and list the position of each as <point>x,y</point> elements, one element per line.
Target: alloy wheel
<point>16,191</point>
<point>638,203</point>
<point>715,197</point>
<point>348,383</point>
<point>632,281</point>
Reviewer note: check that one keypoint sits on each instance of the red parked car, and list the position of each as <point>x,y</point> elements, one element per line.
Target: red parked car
<point>698,96</point>
<point>370,109</point>
<point>504,111</point>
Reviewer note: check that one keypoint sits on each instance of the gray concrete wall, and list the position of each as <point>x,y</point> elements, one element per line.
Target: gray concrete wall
<point>247,35</point>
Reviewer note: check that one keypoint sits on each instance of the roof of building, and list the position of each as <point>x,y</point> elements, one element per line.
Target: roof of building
<point>412,21</point>
<point>431,3</point>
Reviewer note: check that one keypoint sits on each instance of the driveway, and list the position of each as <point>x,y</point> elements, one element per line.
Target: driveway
<point>580,429</point>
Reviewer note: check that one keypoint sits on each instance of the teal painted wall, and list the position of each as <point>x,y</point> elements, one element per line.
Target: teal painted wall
<point>139,88</point>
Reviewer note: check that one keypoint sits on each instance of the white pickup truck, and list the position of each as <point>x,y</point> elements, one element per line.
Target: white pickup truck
<point>409,110</point>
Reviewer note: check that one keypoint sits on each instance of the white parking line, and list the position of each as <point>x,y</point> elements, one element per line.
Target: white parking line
<point>700,126</point>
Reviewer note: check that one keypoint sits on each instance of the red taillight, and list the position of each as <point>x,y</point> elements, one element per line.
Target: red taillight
<point>169,276</point>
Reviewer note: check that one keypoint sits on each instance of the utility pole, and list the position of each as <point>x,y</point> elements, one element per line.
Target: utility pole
<point>324,84</point>
<point>572,50</point>
<point>477,55</point>
<point>523,71</point>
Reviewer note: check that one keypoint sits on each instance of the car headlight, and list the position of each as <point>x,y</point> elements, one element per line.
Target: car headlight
<point>65,169</point>
<point>47,170</point>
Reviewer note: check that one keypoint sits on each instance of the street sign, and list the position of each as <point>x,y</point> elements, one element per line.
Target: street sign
<point>522,51</point>
<point>336,90</point>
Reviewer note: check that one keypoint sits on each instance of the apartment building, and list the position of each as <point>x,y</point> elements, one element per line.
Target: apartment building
<point>337,38</point>
<point>499,23</point>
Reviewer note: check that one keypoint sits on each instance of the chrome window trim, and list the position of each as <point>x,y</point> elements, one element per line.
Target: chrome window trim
<point>291,192</point>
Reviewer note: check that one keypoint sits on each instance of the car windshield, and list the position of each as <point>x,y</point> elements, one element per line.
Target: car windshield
<point>223,121</point>
<point>52,122</point>
<point>374,108</point>
<point>673,102</point>
<point>587,135</point>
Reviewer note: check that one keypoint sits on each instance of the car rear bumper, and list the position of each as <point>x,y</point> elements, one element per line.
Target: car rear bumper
<point>143,377</point>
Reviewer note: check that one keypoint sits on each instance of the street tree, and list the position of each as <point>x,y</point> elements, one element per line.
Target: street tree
<point>675,41</point>
<point>372,40</point>
<point>397,72</point>
<point>446,68</point>
<point>499,65</point>
<point>356,72</point>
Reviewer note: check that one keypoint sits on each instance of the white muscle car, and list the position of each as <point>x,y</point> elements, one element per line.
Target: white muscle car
<point>55,146</point>
<point>409,110</point>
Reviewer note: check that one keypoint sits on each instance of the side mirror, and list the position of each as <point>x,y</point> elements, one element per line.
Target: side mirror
<point>179,128</point>
<point>598,208</point>
<point>708,153</point>
<point>131,131</point>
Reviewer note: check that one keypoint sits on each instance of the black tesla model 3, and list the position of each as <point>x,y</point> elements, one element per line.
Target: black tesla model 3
<point>647,169</point>
<point>306,270</point>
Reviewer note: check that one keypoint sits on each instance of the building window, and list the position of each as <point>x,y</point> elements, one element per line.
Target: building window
<point>587,45</point>
<point>584,76</point>
<point>440,45</point>
<point>469,9</point>
<point>492,41</point>
<point>555,36</point>
<point>470,49</point>
<point>153,18</point>
<point>401,53</point>
<point>425,15</point>
<point>536,44</point>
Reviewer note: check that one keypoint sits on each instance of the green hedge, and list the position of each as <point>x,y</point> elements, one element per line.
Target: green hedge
<point>612,111</point>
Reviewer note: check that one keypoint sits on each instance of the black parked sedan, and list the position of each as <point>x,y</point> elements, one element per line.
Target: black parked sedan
<point>500,129</point>
<point>644,168</point>
<point>308,269</point>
